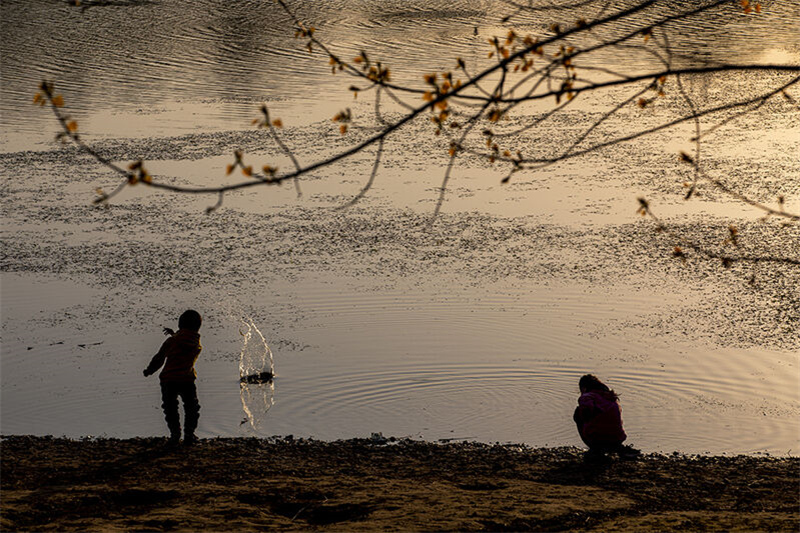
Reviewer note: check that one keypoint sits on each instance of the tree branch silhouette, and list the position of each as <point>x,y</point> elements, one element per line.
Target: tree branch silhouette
<point>467,112</point>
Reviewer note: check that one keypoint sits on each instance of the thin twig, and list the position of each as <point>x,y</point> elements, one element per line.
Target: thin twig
<point>283,147</point>
<point>727,259</point>
<point>371,179</point>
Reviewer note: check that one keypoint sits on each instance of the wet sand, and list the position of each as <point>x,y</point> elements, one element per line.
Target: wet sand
<point>382,484</point>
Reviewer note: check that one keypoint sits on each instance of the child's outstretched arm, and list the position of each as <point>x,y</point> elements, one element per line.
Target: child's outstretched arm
<point>157,361</point>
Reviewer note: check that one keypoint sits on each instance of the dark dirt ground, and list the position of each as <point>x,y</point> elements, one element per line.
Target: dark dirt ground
<point>382,484</point>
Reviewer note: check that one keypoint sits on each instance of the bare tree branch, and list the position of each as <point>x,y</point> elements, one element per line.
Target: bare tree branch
<point>457,107</point>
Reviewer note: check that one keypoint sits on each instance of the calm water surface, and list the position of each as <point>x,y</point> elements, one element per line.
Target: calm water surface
<point>428,356</point>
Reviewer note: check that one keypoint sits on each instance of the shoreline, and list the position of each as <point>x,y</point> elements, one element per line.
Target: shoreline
<point>382,484</point>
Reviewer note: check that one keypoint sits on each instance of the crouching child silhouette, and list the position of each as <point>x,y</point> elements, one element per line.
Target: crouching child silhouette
<point>178,355</point>
<point>599,420</point>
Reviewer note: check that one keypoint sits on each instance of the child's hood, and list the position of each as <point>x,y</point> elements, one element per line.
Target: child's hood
<point>599,398</point>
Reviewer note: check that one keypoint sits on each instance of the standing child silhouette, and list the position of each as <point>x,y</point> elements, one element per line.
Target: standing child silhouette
<point>178,355</point>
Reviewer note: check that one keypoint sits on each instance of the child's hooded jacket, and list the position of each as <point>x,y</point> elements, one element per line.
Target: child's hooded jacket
<point>599,418</point>
<point>180,352</point>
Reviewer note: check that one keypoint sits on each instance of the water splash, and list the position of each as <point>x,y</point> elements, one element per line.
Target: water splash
<point>255,358</point>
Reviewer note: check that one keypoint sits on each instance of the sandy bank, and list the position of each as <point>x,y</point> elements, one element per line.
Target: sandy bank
<point>359,484</point>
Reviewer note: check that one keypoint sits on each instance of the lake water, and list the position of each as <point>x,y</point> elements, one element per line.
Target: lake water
<point>476,327</point>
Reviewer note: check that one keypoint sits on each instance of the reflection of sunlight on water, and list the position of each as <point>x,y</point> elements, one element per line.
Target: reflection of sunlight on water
<point>257,399</point>
<point>255,357</point>
<point>780,56</point>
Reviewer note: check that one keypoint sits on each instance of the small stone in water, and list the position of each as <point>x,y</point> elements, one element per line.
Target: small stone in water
<point>258,377</point>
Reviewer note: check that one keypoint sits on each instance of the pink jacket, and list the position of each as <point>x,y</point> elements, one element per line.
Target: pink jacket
<point>599,418</point>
